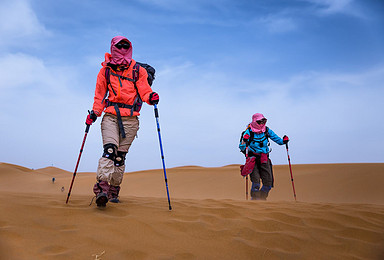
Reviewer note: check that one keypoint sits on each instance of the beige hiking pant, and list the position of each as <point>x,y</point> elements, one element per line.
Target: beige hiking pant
<point>106,170</point>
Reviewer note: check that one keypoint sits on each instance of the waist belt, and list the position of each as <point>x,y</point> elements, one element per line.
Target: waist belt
<point>119,120</point>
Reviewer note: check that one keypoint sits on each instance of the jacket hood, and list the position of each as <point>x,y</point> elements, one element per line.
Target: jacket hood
<point>255,127</point>
<point>120,56</point>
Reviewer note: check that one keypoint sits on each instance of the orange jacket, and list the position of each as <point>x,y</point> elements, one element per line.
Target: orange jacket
<point>125,94</point>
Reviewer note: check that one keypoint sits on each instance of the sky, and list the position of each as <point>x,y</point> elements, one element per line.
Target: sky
<point>314,68</point>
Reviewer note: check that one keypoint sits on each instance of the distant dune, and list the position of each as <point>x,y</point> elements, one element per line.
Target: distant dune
<point>339,214</point>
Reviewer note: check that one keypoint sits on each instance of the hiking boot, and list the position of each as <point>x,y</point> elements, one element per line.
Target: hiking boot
<point>101,199</point>
<point>264,191</point>
<point>255,194</point>
<point>101,190</point>
<point>113,194</point>
<point>114,200</point>
<point>263,195</point>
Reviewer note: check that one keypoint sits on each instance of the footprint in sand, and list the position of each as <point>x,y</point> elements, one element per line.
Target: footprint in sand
<point>67,228</point>
<point>53,250</point>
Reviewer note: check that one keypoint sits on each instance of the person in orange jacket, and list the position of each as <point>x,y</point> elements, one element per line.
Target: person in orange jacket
<point>121,86</point>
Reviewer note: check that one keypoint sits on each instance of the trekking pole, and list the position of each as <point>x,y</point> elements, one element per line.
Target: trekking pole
<point>290,169</point>
<point>162,154</point>
<point>77,164</point>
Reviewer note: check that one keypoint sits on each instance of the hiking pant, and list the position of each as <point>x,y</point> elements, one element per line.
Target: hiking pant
<point>106,170</point>
<point>264,172</point>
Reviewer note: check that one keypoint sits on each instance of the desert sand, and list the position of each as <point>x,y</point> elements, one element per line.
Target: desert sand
<point>339,214</point>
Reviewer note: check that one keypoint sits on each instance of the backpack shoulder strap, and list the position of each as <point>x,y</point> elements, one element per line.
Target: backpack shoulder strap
<point>107,78</point>
<point>266,132</point>
<point>135,76</point>
<point>251,136</point>
<point>108,75</point>
<point>135,72</point>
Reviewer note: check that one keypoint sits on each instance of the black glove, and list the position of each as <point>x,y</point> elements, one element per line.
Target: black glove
<point>153,98</point>
<point>91,118</point>
<point>285,139</point>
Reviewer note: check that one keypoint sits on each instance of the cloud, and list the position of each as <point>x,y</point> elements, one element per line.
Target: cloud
<point>278,23</point>
<point>197,6</point>
<point>24,74</point>
<point>331,7</point>
<point>39,111</point>
<point>20,23</point>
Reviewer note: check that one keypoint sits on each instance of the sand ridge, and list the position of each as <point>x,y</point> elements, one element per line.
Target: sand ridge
<point>210,217</point>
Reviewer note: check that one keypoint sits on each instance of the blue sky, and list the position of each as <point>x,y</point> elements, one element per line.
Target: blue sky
<point>314,68</point>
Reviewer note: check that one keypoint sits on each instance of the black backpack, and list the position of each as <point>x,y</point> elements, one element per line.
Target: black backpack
<point>150,71</point>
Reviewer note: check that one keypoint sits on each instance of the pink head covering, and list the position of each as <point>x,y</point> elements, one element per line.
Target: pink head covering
<point>120,56</point>
<point>255,127</point>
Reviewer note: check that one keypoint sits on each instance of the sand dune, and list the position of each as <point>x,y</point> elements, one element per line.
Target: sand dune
<point>339,215</point>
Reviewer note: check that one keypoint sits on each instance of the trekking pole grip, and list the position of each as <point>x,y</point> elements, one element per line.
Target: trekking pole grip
<point>156,111</point>
<point>87,128</point>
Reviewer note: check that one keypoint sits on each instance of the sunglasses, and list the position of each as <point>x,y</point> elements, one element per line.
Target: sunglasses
<point>124,45</point>
<point>263,121</point>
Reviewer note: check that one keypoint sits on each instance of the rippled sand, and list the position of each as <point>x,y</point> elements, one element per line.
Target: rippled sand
<point>210,218</point>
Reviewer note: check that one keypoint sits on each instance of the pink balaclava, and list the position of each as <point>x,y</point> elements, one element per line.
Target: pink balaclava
<point>255,127</point>
<point>120,56</point>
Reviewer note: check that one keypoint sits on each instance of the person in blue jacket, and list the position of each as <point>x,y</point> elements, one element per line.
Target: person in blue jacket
<point>255,142</point>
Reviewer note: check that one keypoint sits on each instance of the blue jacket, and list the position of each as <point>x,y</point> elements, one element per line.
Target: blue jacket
<point>259,144</point>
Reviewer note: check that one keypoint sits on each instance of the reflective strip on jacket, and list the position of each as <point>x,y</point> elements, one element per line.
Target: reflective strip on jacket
<point>259,144</point>
<point>126,93</point>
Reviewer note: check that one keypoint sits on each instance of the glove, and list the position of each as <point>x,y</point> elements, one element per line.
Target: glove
<point>246,137</point>
<point>91,118</point>
<point>153,98</point>
<point>285,139</point>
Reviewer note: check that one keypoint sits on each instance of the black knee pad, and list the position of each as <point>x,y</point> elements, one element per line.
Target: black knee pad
<point>110,151</point>
<point>120,158</point>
